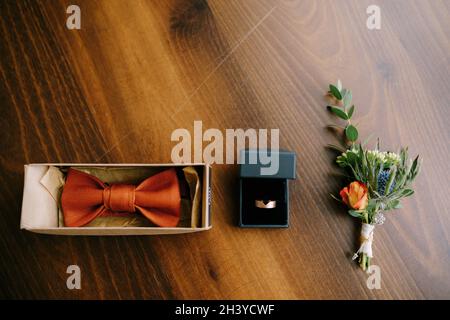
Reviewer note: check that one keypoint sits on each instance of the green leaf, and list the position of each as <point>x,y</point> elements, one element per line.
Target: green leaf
<point>352,158</point>
<point>407,192</point>
<point>340,113</point>
<point>335,198</point>
<point>339,85</point>
<point>392,174</point>
<point>347,98</point>
<point>414,168</point>
<point>350,111</point>
<point>371,205</point>
<point>335,92</point>
<point>395,204</point>
<point>403,156</point>
<point>351,132</point>
<point>401,179</point>
<point>378,170</point>
<point>355,214</point>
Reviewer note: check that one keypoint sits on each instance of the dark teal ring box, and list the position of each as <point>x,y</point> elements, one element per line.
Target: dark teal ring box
<point>254,185</point>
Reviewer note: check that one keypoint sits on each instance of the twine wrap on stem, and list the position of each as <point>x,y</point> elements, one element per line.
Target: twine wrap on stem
<point>366,241</point>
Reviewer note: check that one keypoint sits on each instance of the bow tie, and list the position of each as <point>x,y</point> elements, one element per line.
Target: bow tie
<point>85,197</point>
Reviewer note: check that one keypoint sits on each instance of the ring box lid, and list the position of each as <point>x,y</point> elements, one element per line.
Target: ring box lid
<point>286,164</point>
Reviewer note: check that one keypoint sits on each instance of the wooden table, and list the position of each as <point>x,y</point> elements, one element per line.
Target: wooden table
<point>137,70</point>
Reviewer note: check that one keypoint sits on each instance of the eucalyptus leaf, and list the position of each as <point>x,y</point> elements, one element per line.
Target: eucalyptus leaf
<point>350,111</point>
<point>335,92</point>
<point>347,98</point>
<point>340,113</point>
<point>351,132</point>
<point>339,85</point>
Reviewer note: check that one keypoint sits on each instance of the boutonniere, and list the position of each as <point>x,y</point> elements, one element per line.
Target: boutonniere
<point>378,179</point>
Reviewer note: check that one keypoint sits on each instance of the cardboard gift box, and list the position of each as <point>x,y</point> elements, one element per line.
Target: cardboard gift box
<point>41,213</point>
<point>256,186</point>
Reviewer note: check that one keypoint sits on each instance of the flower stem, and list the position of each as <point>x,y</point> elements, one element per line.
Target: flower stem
<point>364,262</point>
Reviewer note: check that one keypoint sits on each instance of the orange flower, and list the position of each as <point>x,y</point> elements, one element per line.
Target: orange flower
<point>355,195</point>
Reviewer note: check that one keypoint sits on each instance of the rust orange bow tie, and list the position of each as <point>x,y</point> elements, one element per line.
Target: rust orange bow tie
<point>85,197</point>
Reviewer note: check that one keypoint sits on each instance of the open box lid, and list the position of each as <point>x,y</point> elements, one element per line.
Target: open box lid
<point>263,164</point>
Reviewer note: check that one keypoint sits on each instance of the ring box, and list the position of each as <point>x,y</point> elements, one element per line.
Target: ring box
<point>40,210</point>
<point>256,186</point>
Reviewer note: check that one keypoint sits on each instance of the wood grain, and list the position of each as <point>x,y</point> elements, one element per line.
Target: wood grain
<point>116,89</point>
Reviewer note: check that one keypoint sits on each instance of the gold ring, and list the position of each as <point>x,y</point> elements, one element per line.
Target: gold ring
<point>265,204</point>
